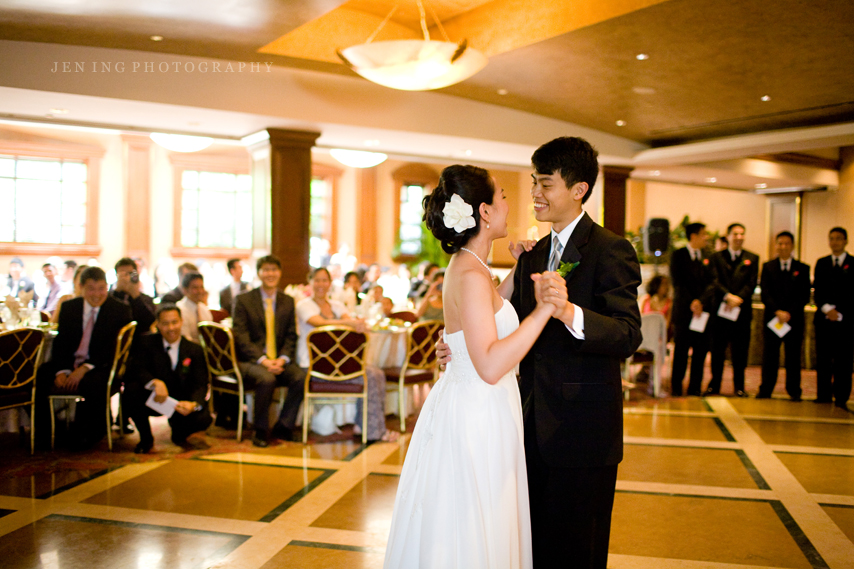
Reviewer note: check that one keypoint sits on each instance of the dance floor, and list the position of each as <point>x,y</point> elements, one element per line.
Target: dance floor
<point>714,483</point>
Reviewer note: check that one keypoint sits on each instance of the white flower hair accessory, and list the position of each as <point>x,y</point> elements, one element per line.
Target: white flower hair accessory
<point>458,214</point>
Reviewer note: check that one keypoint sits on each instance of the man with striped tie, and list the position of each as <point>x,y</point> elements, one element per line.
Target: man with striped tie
<point>265,338</point>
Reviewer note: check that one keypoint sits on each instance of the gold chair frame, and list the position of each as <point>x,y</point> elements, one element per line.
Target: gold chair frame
<point>214,354</point>
<point>124,339</point>
<point>34,359</point>
<point>318,355</point>
<point>420,355</point>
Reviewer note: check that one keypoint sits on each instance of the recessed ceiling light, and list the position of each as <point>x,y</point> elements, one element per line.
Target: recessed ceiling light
<point>765,98</point>
<point>372,142</point>
<point>193,123</point>
<point>643,90</point>
<point>760,186</point>
<point>467,152</point>
<point>621,123</point>
<point>156,38</point>
<point>502,91</point>
<point>59,111</point>
<point>655,172</point>
<point>642,57</point>
<point>711,180</point>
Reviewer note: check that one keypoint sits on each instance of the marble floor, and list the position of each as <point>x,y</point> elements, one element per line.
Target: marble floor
<point>715,483</point>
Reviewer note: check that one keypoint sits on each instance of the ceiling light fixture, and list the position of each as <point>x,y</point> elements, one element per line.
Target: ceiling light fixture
<point>760,186</point>
<point>502,92</point>
<point>642,57</point>
<point>156,38</point>
<point>764,98</point>
<point>621,123</point>
<point>712,180</point>
<point>358,158</point>
<point>181,142</point>
<point>413,65</point>
<point>655,172</point>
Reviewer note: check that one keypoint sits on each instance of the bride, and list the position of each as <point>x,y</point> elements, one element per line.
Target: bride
<point>462,501</point>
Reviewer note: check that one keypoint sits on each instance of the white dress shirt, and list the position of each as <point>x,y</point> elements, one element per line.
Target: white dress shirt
<point>192,314</point>
<point>577,328</point>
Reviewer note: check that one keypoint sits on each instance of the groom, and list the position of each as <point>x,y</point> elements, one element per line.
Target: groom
<point>570,380</point>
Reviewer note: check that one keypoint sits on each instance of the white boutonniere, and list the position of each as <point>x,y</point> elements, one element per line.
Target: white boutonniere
<point>458,214</point>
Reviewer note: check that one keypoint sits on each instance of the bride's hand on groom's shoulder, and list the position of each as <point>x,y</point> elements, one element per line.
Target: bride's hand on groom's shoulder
<point>521,246</point>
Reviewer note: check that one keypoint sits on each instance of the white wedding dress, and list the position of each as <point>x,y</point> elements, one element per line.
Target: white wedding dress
<point>462,501</point>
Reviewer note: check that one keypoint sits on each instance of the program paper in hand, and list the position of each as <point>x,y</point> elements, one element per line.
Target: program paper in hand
<point>779,328</point>
<point>167,408</point>
<point>698,323</point>
<point>729,312</point>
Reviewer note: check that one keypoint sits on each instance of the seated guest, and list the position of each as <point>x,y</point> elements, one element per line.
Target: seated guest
<point>17,282</point>
<point>82,356</point>
<point>235,287</point>
<point>419,289</point>
<point>66,279</point>
<point>171,366</point>
<point>177,293</point>
<point>431,306</point>
<point>352,289</point>
<point>193,307</point>
<point>265,338</point>
<point>54,290</point>
<point>658,298</point>
<point>388,306</point>
<point>76,292</point>
<point>318,310</point>
<point>371,276</point>
<point>129,291</point>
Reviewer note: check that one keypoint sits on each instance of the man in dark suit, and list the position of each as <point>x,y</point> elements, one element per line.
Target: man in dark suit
<point>834,321</point>
<point>737,272</point>
<point>171,366</point>
<point>785,285</point>
<point>265,338</point>
<point>693,277</point>
<point>570,380</point>
<point>17,282</point>
<point>177,293</point>
<point>235,287</point>
<point>82,356</point>
<point>128,291</point>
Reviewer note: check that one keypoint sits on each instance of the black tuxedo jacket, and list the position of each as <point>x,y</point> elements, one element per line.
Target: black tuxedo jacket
<point>112,317</point>
<point>187,382</point>
<point>691,280</point>
<point>172,296</point>
<point>835,285</point>
<point>250,328</point>
<point>788,291</point>
<point>226,300</point>
<point>25,284</point>
<point>570,388</point>
<point>738,278</point>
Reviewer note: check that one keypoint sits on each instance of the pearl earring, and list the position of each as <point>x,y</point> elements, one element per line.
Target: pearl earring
<point>487,225</point>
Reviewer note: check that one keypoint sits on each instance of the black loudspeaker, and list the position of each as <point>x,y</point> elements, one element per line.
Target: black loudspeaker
<point>656,238</point>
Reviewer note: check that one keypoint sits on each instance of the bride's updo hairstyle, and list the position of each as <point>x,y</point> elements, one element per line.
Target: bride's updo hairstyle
<point>474,185</point>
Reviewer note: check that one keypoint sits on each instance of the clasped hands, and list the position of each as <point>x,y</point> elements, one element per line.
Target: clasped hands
<point>550,288</point>
<point>274,366</point>
<point>70,381</point>
<point>161,392</point>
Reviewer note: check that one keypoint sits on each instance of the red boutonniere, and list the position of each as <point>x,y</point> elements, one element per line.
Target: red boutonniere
<point>845,268</point>
<point>796,273</point>
<point>747,262</point>
<point>186,363</point>
<point>705,261</point>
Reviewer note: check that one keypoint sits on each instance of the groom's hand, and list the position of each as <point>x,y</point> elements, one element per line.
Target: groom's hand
<point>443,351</point>
<point>553,290</point>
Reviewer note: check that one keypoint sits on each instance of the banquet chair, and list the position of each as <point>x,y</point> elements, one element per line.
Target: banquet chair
<point>20,352</point>
<point>420,364</point>
<point>336,354</point>
<point>223,367</point>
<point>653,343</point>
<point>45,315</point>
<point>406,316</point>
<point>218,315</point>
<point>117,372</point>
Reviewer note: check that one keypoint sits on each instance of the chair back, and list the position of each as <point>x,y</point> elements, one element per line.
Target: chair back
<point>654,333</point>
<point>20,351</point>
<point>218,344</point>
<point>120,358</point>
<point>406,316</point>
<point>218,315</point>
<point>421,341</point>
<point>336,353</point>
<point>45,315</point>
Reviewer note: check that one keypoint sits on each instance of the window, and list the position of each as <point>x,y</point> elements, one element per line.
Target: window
<point>410,219</point>
<point>216,209</point>
<point>321,208</point>
<point>43,200</point>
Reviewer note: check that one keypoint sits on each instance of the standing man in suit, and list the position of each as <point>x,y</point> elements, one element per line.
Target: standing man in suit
<point>785,285</point>
<point>82,356</point>
<point>171,366</point>
<point>18,282</point>
<point>570,380</point>
<point>265,338</point>
<point>693,277</point>
<point>235,287</point>
<point>834,321</point>
<point>177,293</point>
<point>129,291</point>
<point>737,273</point>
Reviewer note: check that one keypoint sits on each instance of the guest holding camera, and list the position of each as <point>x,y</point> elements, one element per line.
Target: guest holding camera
<point>128,291</point>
